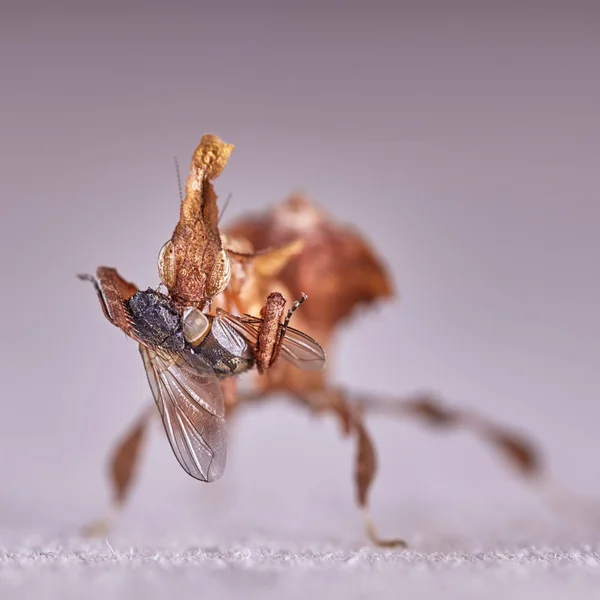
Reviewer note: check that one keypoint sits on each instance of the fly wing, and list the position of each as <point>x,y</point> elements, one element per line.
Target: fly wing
<point>297,347</point>
<point>190,402</point>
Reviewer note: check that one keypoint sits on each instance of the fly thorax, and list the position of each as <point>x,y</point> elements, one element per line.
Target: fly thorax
<point>156,321</point>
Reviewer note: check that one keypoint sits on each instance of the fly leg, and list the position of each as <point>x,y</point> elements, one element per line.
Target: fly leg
<point>123,467</point>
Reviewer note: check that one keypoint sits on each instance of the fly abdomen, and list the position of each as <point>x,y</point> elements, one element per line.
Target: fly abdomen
<point>224,362</point>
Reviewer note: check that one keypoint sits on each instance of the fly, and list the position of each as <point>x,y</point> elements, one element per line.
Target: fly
<point>185,357</point>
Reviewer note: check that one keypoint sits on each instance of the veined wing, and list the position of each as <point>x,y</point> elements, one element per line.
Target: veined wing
<point>296,347</point>
<point>190,402</point>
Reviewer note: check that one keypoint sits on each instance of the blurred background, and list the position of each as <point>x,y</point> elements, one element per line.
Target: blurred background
<point>462,139</point>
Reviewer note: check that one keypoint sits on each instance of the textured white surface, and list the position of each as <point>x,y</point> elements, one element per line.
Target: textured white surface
<point>75,569</point>
<point>283,524</point>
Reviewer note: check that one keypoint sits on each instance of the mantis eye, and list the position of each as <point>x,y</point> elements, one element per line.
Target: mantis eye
<point>195,326</point>
<point>220,276</point>
<point>166,264</point>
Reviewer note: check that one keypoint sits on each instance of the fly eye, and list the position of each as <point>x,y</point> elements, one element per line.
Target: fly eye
<point>166,264</point>
<point>195,325</point>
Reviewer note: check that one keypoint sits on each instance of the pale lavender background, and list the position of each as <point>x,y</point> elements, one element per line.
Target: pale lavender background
<point>462,140</point>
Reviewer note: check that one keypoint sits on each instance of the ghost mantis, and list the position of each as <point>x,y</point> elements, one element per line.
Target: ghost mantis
<point>245,272</point>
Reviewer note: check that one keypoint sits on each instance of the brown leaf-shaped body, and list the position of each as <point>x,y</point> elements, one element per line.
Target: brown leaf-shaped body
<point>331,263</point>
<point>336,268</point>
